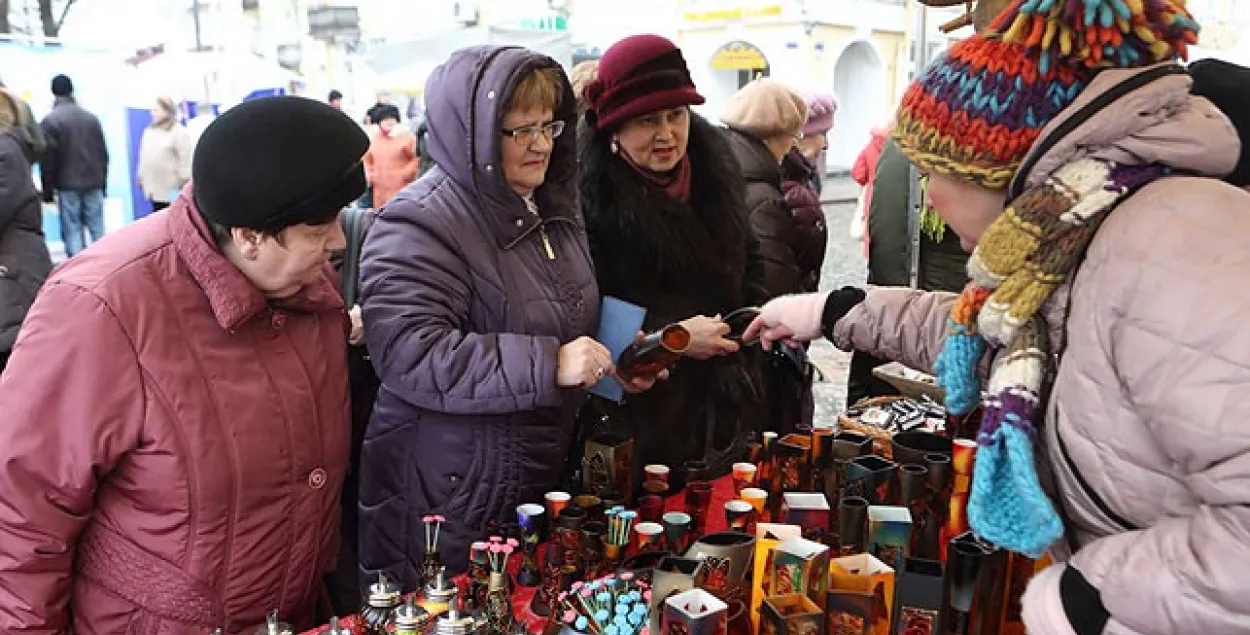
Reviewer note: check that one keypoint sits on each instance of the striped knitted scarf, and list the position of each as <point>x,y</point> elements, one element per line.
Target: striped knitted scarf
<point>1027,253</point>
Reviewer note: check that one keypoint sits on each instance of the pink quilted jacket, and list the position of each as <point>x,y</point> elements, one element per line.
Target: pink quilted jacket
<point>1146,442</point>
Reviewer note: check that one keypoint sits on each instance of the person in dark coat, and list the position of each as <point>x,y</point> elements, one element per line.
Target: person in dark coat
<point>943,264</point>
<point>31,125</point>
<point>665,209</point>
<point>764,119</point>
<point>24,259</point>
<point>175,426</point>
<point>75,166</point>
<point>801,181</point>
<point>811,232</point>
<point>479,299</point>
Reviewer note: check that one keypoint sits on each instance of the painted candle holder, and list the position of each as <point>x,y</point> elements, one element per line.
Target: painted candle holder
<point>821,458</point>
<point>790,463</point>
<point>871,477</point>
<point>861,596</point>
<point>531,518</point>
<point>608,464</point>
<point>671,576</point>
<point>939,481</point>
<point>738,516</point>
<point>499,615</point>
<point>889,534</point>
<point>592,547</point>
<point>648,537</point>
<point>914,484</point>
<point>962,461</point>
<point>695,612</point>
<point>976,587</point>
<point>766,474</point>
<point>852,526</point>
<point>791,614</point>
<point>544,600</point>
<point>698,500</point>
<point>643,565</point>
<point>727,558</point>
<point>768,536</point>
<point>677,526</point>
<point>479,572</point>
<point>846,447</point>
<point>809,511</point>
<point>918,598</point>
<point>555,503</point>
<point>800,566</point>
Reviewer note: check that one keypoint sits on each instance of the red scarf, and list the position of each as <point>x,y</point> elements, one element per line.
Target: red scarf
<point>676,182</point>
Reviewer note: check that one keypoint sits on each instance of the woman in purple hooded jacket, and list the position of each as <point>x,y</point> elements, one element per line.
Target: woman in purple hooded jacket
<point>478,296</point>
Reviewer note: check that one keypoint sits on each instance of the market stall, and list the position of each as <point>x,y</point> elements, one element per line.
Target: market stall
<point>859,529</point>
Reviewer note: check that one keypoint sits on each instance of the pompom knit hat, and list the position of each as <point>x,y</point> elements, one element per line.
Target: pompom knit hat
<point>973,115</point>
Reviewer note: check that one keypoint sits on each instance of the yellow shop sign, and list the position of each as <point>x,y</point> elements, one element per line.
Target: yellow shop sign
<point>733,15</point>
<point>739,55</point>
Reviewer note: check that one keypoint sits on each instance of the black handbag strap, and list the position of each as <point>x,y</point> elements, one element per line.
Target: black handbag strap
<point>354,229</point>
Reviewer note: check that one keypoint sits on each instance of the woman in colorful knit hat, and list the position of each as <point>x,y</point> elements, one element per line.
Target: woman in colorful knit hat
<point>1107,292</point>
<point>665,213</point>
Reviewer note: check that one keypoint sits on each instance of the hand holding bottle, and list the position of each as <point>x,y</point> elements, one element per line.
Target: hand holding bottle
<point>707,337</point>
<point>582,363</point>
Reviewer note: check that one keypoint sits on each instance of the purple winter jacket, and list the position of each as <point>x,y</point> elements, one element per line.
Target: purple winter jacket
<point>464,315</point>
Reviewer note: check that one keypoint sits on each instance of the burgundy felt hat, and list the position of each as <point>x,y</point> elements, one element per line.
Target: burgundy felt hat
<point>640,74</point>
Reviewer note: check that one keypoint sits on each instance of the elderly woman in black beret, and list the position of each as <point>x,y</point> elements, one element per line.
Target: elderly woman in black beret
<point>175,411</point>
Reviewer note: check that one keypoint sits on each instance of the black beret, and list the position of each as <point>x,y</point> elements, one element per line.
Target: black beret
<point>278,161</point>
<point>1228,87</point>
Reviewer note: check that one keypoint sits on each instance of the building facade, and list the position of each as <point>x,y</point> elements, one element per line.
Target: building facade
<point>857,49</point>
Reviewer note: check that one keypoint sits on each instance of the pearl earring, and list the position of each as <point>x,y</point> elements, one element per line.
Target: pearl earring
<point>616,147</point>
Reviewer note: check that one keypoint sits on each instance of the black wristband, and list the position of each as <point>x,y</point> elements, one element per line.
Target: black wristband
<point>1082,603</point>
<point>837,305</point>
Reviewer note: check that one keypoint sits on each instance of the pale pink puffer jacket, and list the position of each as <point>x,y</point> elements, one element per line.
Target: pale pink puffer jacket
<point>1152,395</point>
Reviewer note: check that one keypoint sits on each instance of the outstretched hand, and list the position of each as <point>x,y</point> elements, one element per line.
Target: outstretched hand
<point>791,319</point>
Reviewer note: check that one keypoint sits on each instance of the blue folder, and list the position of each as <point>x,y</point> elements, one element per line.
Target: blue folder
<point>619,323</point>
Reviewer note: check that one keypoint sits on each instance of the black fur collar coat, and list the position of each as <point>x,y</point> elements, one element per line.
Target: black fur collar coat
<point>679,260</point>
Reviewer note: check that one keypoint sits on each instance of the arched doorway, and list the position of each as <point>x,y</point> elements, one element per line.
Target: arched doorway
<point>734,65</point>
<point>858,79</point>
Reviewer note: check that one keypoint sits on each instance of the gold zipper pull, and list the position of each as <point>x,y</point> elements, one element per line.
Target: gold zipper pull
<point>551,253</point>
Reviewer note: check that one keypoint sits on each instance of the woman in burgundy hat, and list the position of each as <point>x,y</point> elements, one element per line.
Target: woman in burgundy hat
<point>664,205</point>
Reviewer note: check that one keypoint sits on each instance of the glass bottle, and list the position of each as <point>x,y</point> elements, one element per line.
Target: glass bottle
<point>652,354</point>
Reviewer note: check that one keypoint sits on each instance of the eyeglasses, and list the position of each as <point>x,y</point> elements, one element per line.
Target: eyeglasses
<point>526,135</point>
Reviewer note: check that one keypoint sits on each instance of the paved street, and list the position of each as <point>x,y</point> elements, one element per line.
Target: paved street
<point>844,265</point>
